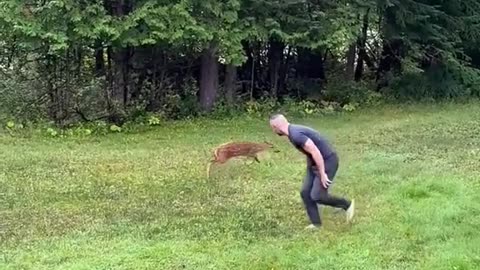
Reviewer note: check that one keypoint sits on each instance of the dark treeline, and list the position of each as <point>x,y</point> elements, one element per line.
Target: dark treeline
<point>71,60</point>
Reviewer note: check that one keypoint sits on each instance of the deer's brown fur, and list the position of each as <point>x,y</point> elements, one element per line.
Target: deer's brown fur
<point>229,150</point>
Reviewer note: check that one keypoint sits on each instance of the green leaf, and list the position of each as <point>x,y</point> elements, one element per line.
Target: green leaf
<point>153,121</point>
<point>52,132</point>
<point>115,128</point>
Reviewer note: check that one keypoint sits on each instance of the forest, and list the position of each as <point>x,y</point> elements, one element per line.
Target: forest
<point>71,61</point>
<point>111,111</point>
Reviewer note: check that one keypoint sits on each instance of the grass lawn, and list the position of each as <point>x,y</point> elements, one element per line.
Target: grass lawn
<point>142,201</point>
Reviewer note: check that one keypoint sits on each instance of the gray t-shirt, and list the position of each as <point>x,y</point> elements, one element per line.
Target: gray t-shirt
<point>298,135</point>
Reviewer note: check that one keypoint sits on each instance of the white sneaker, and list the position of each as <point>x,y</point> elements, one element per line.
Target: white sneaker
<point>312,227</point>
<point>351,211</point>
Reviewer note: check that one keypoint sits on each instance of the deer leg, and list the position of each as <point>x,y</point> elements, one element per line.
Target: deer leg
<point>208,169</point>
<point>209,165</point>
<point>254,159</point>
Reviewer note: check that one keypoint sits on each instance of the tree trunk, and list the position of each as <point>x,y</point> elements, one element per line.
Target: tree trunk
<point>230,80</point>
<point>126,75</point>
<point>390,61</point>
<point>252,71</point>
<point>121,58</point>
<point>208,78</point>
<point>275,60</point>
<point>393,51</point>
<point>245,72</point>
<point>99,59</point>
<point>362,51</point>
<point>350,69</point>
<point>79,64</point>
<point>310,64</point>
<point>284,71</point>
<point>120,76</point>
<point>109,75</point>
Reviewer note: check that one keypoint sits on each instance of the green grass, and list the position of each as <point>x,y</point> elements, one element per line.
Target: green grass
<point>141,201</point>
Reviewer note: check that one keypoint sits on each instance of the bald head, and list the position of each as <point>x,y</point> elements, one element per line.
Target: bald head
<point>278,119</point>
<point>279,124</point>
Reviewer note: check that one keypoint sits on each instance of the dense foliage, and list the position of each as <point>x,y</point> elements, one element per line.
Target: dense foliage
<point>87,60</point>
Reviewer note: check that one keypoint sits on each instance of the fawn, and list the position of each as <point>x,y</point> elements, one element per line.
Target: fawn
<point>226,151</point>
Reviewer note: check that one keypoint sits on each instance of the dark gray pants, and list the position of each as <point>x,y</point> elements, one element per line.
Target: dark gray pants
<point>314,193</point>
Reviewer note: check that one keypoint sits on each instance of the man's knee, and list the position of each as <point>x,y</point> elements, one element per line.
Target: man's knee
<point>319,196</point>
<point>305,194</point>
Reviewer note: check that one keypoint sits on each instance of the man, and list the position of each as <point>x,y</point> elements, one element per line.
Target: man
<point>322,165</point>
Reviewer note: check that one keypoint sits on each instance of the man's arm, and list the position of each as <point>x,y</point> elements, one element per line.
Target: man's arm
<point>317,157</point>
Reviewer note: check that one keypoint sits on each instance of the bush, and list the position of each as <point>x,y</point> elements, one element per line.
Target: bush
<point>347,92</point>
<point>437,83</point>
<point>299,108</point>
<point>261,107</point>
<point>181,103</point>
<point>19,98</point>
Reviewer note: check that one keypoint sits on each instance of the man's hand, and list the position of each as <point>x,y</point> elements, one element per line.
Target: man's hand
<point>312,149</point>
<point>324,179</point>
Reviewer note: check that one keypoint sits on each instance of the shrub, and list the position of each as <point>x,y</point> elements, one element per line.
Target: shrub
<point>350,92</point>
<point>436,83</point>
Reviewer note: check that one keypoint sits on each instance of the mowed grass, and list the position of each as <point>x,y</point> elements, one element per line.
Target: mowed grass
<point>142,201</point>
